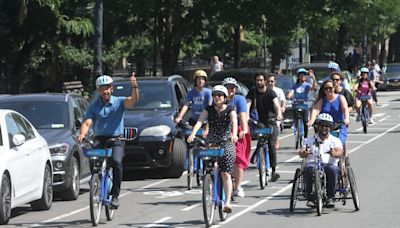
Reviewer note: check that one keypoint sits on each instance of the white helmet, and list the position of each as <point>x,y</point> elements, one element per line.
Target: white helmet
<point>324,118</point>
<point>103,80</point>
<point>231,81</point>
<point>220,88</point>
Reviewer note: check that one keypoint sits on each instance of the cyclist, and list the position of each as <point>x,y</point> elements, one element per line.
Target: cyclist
<point>364,87</point>
<point>106,113</point>
<point>199,97</point>
<point>337,79</point>
<point>243,145</point>
<point>335,68</point>
<point>335,105</point>
<point>301,90</point>
<point>268,107</point>
<point>223,129</point>
<point>330,149</point>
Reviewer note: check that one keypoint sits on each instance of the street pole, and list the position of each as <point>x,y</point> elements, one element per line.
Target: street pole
<point>98,39</point>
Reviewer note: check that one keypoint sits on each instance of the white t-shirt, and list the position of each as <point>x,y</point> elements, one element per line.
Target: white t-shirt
<point>281,95</point>
<point>324,147</point>
<point>216,67</point>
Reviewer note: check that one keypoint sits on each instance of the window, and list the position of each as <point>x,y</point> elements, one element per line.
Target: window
<point>1,138</point>
<point>18,125</point>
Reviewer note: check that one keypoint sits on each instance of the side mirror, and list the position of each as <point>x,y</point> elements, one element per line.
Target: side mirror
<point>18,139</point>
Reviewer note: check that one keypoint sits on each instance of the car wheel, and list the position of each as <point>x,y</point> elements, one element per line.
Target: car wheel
<point>73,179</point>
<point>44,203</point>
<point>5,200</point>
<point>178,159</point>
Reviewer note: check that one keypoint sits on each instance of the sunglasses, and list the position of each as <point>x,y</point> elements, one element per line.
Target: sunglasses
<point>230,86</point>
<point>328,88</point>
<point>335,79</point>
<point>217,94</point>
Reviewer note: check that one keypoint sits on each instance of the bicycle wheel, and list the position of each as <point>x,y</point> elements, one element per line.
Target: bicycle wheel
<point>295,189</point>
<point>261,167</point>
<point>221,191</point>
<point>364,118</point>
<point>208,199</point>
<point>109,211</point>
<point>190,172</point>
<point>353,187</point>
<point>318,192</point>
<point>298,134</point>
<point>199,171</point>
<point>95,202</point>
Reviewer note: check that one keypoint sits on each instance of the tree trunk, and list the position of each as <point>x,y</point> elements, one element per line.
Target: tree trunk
<point>236,48</point>
<point>340,57</point>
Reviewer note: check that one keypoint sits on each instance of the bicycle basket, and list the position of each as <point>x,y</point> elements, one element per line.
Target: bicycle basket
<point>209,152</point>
<point>97,152</point>
<point>365,98</point>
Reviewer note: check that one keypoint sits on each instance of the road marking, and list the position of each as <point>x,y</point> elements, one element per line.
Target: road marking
<point>157,223</point>
<point>86,208</point>
<point>355,142</point>
<point>236,215</point>
<point>191,207</point>
<point>385,118</point>
<point>279,138</point>
<point>379,114</point>
<point>239,205</point>
<point>285,171</point>
<point>369,134</point>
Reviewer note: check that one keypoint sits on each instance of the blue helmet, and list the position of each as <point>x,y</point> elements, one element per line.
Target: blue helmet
<point>302,71</point>
<point>334,66</point>
<point>364,70</point>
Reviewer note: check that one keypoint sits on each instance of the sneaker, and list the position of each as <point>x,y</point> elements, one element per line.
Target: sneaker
<point>227,209</point>
<point>358,118</point>
<point>275,177</point>
<point>371,121</point>
<point>330,203</point>
<point>240,192</point>
<point>310,203</point>
<point>114,202</point>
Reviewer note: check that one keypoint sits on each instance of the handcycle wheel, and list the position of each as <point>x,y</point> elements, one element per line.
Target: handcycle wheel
<point>190,172</point>
<point>109,211</point>
<point>262,167</point>
<point>95,202</point>
<point>353,188</point>
<point>318,192</point>
<point>208,199</point>
<point>295,189</point>
<point>222,215</point>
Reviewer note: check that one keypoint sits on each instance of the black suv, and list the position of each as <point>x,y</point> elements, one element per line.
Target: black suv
<point>58,118</point>
<point>157,142</point>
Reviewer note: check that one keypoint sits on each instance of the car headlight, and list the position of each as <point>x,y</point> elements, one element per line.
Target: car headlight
<point>59,149</point>
<point>160,130</point>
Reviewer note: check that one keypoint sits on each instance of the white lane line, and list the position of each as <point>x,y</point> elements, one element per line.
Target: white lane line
<point>378,114</point>
<point>358,134</point>
<point>236,215</point>
<point>191,207</point>
<point>279,138</point>
<point>245,182</point>
<point>239,205</point>
<point>285,171</point>
<point>355,141</point>
<point>292,159</point>
<point>157,223</point>
<point>384,118</point>
<point>86,208</point>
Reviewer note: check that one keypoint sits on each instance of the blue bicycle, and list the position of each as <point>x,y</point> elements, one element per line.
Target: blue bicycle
<point>298,130</point>
<point>213,188</point>
<point>101,181</point>
<point>262,153</point>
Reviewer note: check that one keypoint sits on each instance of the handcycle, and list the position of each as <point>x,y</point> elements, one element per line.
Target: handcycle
<point>261,133</point>
<point>101,181</point>
<point>194,165</point>
<point>346,184</point>
<point>213,194</point>
<point>299,109</point>
<point>364,112</point>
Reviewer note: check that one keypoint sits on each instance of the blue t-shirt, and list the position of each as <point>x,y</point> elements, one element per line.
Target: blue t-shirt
<point>334,109</point>
<point>199,101</point>
<point>108,119</point>
<point>301,90</point>
<point>239,104</point>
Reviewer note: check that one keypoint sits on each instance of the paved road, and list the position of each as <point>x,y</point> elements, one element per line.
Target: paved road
<point>156,202</point>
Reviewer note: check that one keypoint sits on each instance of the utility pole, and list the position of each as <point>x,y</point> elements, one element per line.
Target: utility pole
<point>98,39</point>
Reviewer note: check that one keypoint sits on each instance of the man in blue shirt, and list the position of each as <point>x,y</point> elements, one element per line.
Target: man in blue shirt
<point>106,114</point>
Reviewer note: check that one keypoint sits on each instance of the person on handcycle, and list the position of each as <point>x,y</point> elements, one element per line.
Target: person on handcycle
<point>223,129</point>
<point>106,113</point>
<point>330,150</point>
<point>364,87</point>
<point>300,93</point>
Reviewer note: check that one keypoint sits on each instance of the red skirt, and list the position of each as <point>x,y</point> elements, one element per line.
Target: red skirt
<point>243,148</point>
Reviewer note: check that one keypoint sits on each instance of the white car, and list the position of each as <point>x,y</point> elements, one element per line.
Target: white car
<point>25,166</point>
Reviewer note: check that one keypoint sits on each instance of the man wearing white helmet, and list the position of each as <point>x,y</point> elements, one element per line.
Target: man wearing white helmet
<point>243,145</point>
<point>200,97</point>
<point>106,113</point>
<point>223,129</point>
<point>330,148</point>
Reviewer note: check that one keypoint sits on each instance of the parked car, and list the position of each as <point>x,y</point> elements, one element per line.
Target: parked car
<point>58,118</point>
<point>242,90</point>
<point>391,77</point>
<point>25,166</point>
<point>157,142</point>
<point>286,82</point>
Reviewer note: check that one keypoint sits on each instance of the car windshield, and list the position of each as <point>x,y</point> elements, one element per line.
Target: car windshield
<point>42,114</point>
<point>393,68</point>
<point>152,95</point>
<point>285,83</point>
